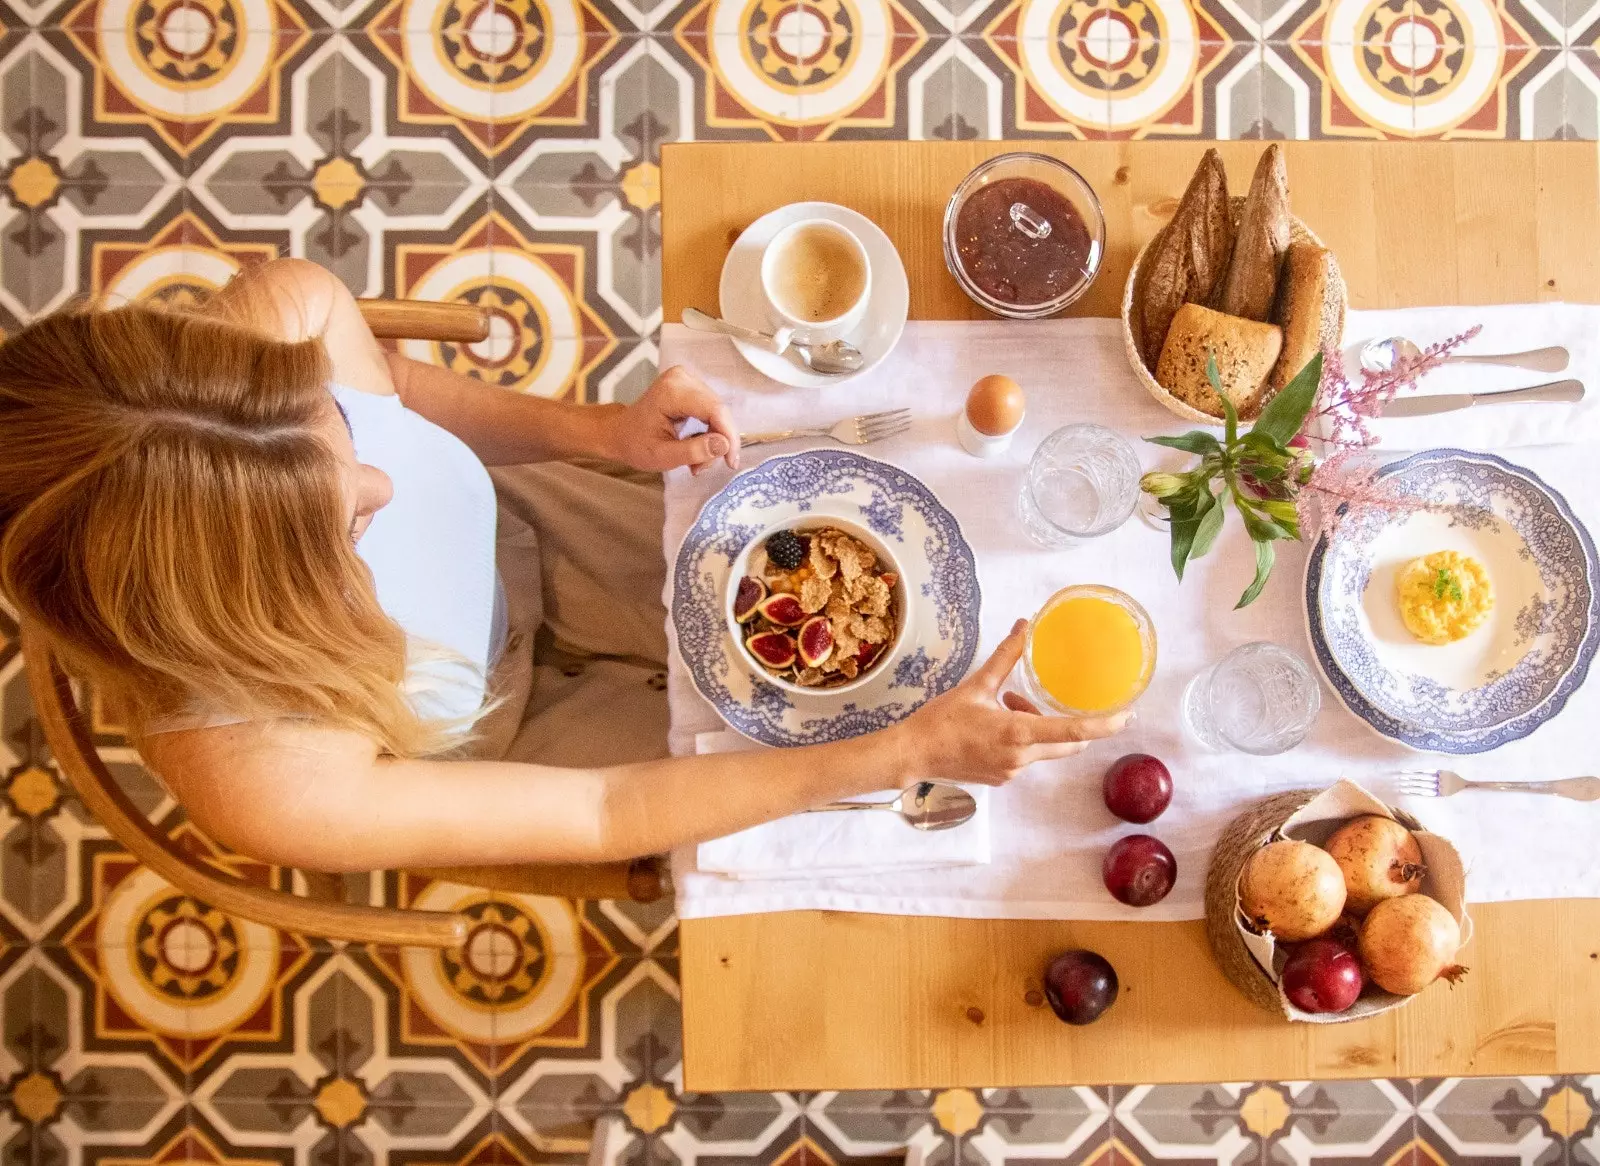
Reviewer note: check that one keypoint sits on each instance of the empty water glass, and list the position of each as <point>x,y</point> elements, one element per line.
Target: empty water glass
<point>1261,699</point>
<point>1083,482</point>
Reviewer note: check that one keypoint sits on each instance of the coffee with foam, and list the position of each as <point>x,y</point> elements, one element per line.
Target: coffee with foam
<point>817,274</point>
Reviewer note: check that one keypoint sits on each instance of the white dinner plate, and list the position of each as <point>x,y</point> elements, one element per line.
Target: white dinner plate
<point>742,300</point>
<point>1509,676</point>
<point>941,584</point>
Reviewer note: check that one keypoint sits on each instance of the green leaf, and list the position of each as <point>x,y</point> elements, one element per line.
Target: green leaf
<point>1285,513</point>
<point>1210,525</point>
<point>1266,556</point>
<point>1196,441</point>
<point>1230,415</point>
<point>1259,526</point>
<point>1183,532</point>
<point>1286,413</point>
<point>1264,445</point>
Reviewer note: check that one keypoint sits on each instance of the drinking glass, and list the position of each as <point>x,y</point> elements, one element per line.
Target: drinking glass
<point>1083,482</point>
<point>1260,698</point>
<point>1118,666</point>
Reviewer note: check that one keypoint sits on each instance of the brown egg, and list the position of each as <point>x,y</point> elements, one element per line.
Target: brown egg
<point>995,405</point>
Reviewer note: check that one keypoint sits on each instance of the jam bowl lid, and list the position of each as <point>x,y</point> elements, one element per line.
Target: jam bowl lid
<point>1029,223</point>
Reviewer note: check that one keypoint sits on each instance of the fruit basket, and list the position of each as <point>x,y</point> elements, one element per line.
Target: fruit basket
<point>1254,961</point>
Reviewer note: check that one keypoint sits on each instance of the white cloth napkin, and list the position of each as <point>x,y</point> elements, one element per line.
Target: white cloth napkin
<point>860,842</point>
<point>1506,328</point>
<point>1050,828</point>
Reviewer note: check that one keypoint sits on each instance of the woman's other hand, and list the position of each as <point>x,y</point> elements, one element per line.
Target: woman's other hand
<point>966,734</point>
<point>645,433</point>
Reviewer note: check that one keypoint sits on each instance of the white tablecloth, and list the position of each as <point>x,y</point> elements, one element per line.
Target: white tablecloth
<point>1049,827</point>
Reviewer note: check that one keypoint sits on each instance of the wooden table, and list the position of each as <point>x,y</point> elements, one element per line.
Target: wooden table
<point>816,1000</point>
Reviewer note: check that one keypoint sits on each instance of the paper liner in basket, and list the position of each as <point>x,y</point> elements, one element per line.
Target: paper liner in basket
<point>1315,822</point>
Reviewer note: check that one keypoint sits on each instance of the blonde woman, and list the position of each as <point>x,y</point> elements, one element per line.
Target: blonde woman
<point>343,645</point>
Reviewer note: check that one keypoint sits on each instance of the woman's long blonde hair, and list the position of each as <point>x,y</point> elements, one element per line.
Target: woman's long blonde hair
<point>171,516</point>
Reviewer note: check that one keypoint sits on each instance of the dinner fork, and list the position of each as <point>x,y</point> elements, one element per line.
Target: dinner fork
<point>1441,783</point>
<point>862,430</point>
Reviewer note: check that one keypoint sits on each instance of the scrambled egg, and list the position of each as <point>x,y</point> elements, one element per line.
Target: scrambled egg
<point>1444,597</point>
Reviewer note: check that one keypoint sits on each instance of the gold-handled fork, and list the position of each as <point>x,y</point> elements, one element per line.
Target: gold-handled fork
<point>862,430</point>
<point>1442,783</point>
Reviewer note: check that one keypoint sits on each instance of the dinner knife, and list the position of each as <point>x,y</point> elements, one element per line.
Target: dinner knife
<point>1567,391</point>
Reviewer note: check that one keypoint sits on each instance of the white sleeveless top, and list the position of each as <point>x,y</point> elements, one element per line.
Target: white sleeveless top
<point>431,552</point>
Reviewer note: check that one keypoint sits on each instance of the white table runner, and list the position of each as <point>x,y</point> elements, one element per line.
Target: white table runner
<point>1049,828</point>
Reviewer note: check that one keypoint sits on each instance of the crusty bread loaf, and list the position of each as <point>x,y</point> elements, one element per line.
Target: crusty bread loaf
<point>1245,350</point>
<point>1260,241</point>
<point>1188,259</point>
<point>1307,273</point>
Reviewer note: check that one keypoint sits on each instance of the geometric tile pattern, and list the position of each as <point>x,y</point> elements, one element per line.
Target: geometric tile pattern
<point>506,152</point>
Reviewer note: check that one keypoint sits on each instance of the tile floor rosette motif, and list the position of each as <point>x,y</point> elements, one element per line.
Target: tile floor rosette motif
<point>506,152</point>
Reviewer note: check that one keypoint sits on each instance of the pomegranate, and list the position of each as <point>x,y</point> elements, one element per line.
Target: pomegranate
<point>1408,943</point>
<point>1380,859</point>
<point>1322,976</point>
<point>1292,889</point>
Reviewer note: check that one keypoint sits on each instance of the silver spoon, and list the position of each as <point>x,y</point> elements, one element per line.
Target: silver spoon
<point>829,357</point>
<point>928,805</point>
<point>1382,355</point>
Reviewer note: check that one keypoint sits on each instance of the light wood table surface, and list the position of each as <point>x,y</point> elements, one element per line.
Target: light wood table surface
<point>824,1000</point>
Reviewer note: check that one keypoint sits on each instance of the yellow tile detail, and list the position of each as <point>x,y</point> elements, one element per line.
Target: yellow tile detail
<point>340,1102</point>
<point>33,183</point>
<point>1416,1153</point>
<point>32,791</point>
<point>1567,1111</point>
<point>337,183</point>
<point>649,1108</point>
<point>641,185</point>
<point>1263,1111</point>
<point>36,1098</point>
<point>957,1111</point>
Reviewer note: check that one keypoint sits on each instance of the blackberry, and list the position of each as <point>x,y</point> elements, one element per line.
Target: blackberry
<point>786,549</point>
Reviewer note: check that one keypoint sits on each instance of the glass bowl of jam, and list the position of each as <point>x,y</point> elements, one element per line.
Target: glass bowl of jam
<point>1024,235</point>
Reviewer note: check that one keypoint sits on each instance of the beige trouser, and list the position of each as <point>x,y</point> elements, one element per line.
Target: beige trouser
<point>582,680</point>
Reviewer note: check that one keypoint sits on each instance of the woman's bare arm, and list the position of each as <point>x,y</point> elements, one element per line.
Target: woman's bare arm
<point>323,799</point>
<point>294,299</point>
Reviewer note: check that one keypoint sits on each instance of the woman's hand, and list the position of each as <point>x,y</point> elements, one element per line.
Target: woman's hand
<point>645,434</point>
<point>965,734</point>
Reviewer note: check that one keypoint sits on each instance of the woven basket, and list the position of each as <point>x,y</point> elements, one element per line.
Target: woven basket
<point>1243,837</point>
<point>1333,316</point>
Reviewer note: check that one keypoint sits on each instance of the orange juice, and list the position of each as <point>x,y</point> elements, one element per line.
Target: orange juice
<point>1091,650</point>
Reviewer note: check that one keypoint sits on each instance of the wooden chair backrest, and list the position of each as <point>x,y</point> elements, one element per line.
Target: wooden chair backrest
<point>67,729</point>
<point>419,320</point>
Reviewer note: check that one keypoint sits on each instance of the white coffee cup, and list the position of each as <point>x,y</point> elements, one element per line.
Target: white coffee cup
<point>817,279</point>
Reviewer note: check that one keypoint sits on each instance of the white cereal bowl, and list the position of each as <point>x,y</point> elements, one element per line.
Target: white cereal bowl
<point>817,521</point>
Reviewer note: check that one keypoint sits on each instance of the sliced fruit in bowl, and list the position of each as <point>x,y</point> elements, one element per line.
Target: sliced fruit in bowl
<point>818,604</point>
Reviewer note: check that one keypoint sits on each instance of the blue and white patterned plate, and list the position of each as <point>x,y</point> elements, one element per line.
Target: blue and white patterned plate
<point>941,584</point>
<point>1505,679</point>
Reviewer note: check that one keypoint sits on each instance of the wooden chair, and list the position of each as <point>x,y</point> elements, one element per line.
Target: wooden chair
<point>323,912</point>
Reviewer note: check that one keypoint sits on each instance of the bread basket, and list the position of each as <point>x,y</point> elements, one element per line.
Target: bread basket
<point>1310,815</point>
<point>1333,313</point>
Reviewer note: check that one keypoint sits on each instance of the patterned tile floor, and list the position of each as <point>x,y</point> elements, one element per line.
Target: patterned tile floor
<point>505,152</point>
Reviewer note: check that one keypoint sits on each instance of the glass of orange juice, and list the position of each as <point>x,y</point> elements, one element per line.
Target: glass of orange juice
<point>1091,651</point>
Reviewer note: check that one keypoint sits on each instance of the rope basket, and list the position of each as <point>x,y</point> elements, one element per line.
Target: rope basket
<point>1243,837</point>
<point>1333,317</point>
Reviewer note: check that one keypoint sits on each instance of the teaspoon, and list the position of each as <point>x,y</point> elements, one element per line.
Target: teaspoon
<point>831,357</point>
<point>928,805</point>
<point>1382,355</point>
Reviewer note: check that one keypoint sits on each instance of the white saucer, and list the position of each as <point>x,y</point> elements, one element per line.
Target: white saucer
<point>744,302</point>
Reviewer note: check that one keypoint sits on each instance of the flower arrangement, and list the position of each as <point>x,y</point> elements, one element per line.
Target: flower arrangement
<point>1268,473</point>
